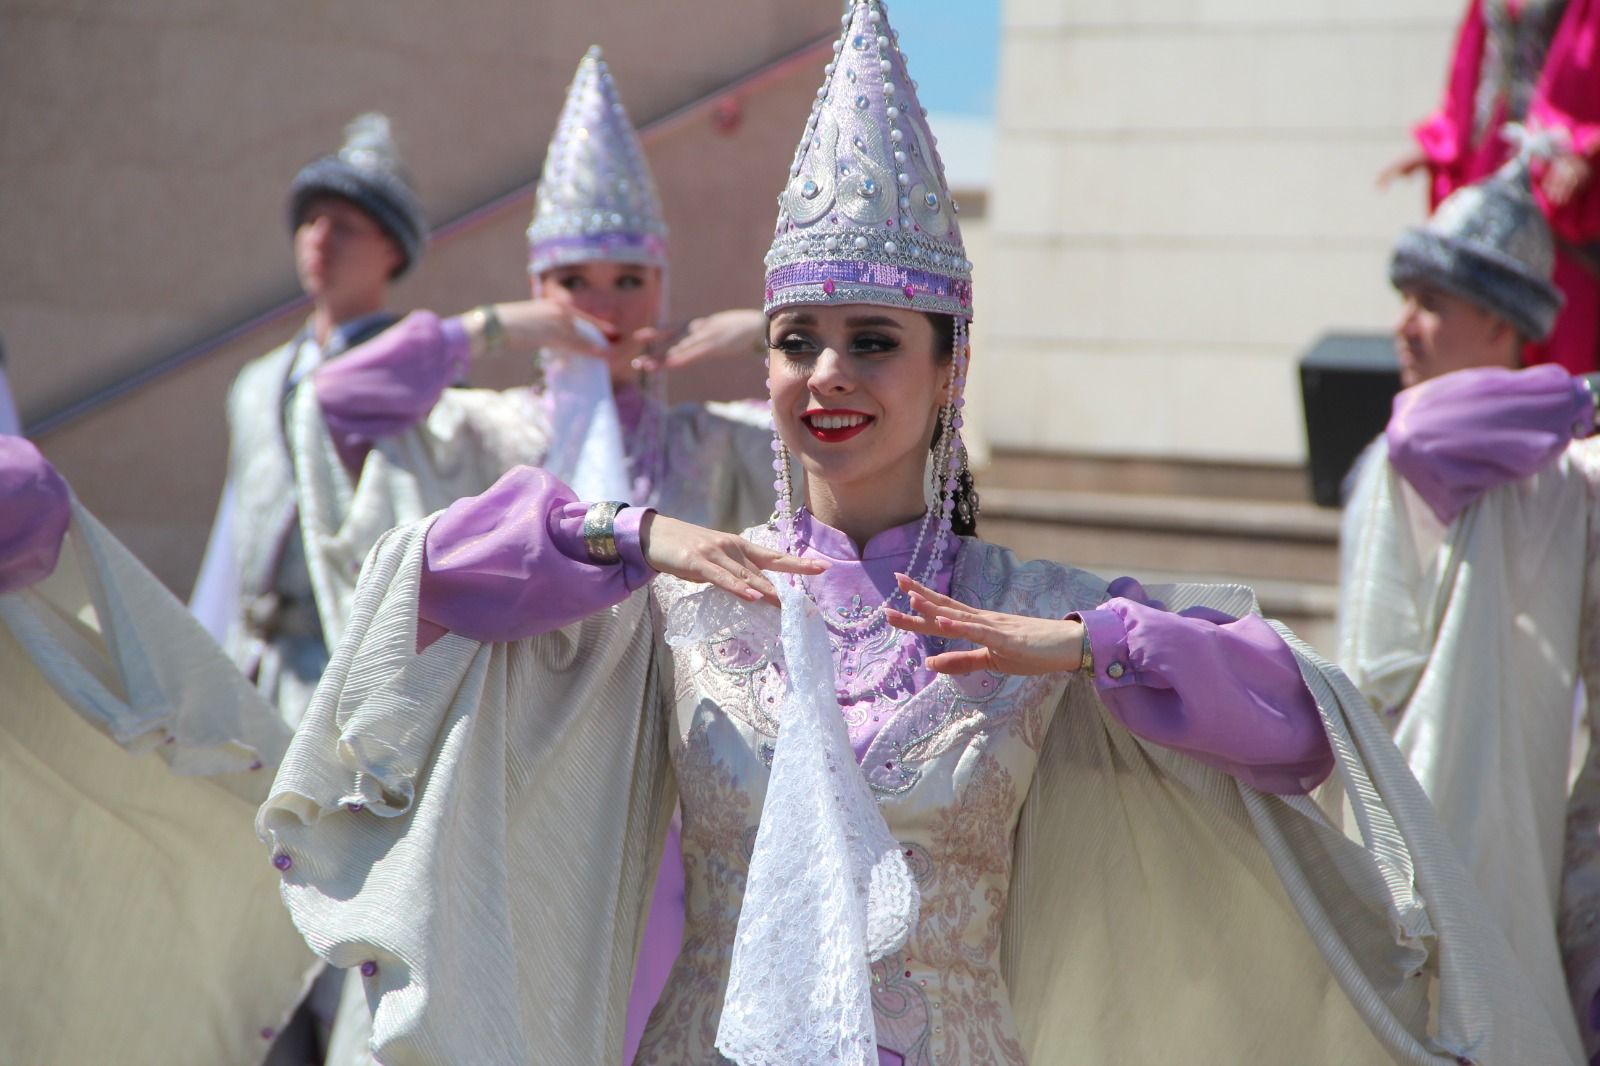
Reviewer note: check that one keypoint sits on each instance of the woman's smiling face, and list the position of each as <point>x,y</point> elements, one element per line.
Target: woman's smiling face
<point>856,391</point>
<point>625,296</point>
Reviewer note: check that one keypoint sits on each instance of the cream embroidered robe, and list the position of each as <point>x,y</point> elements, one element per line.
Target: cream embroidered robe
<point>1470,639</point>
<point>138,921</point>
<point>478,821</point>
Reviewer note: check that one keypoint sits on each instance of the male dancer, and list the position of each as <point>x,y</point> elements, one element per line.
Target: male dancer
<point>1471,556</point>
<point>356,227</point>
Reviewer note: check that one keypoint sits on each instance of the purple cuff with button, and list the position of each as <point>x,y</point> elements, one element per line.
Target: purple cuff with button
<point>35,510</point>
<point>391,382</point>
<point>512,562</point>
<point>1458,436</point>
<point>1226,691</point>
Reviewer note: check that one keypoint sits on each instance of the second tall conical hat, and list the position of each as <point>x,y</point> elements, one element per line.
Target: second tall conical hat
<point>596,198</point>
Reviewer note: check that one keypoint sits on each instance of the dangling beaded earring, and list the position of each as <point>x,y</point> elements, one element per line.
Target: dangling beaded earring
<point>948,456</point>
<point>783,489</point>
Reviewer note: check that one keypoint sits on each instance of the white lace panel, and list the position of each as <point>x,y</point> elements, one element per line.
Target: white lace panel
<point>586,448</point>
<point>829,891</point>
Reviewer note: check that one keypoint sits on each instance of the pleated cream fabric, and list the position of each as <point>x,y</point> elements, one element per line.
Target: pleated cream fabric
<point>1578,926</point>
<point>501,887</point>
<point>1470,636</point>
<point>1158,907</point>
<point>138,920</point>
<point>470,438</point>
<point>716,459</point>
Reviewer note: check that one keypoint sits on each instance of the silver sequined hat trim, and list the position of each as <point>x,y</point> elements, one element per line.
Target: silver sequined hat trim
<point>867,216</point>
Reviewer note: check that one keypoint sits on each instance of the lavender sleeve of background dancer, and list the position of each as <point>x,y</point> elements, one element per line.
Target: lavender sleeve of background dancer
<point>35,509</point>
<point>1226,691</point>
<point>512,563</point>
<point>391,382</point>
<point>1458,436</point>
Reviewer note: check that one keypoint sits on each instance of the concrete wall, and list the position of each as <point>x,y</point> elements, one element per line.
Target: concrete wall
<point>145,148</point>
<point>1184,200</point>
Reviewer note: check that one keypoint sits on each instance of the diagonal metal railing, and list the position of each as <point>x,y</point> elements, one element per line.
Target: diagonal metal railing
<point>659,128</point>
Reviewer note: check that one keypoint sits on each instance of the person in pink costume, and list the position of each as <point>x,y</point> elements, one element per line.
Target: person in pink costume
<point>1535,62</point>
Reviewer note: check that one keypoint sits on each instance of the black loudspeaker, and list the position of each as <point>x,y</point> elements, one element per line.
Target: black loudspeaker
<point>1348,383</point>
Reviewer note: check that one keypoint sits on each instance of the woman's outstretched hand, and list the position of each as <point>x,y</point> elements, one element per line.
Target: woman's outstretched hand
<point>529,325</point>
<point>1567,176</point>
<point>740,333</point>
<point>707,556</point>
<point>1403,167</point>
<point>1007,643</point>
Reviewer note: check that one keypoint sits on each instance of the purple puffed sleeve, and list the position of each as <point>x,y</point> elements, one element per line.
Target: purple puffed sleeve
<point>1226,691</point>
<point>512,563</point>
<point>391,382</point>
<point>1458,436</point>
<point>35,509</point>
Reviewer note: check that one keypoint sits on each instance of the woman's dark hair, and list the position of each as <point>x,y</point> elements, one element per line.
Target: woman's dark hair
<point>964,519</point>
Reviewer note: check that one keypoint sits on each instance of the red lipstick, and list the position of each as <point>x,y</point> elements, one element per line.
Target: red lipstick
<point>833,425</point>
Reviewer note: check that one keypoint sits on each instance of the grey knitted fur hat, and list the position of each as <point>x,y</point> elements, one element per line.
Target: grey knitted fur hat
<point>366,171</point>
<point>1488,243</point>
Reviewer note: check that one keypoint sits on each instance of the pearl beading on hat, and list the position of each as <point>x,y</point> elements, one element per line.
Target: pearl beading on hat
<point>866,215</point>
<point>596,199</point>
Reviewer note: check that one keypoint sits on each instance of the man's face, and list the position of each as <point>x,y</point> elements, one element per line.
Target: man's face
<point>340,252</point>
<point>1439,333</point>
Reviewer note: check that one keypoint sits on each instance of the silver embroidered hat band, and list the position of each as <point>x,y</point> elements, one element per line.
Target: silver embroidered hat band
<point>866,215</point>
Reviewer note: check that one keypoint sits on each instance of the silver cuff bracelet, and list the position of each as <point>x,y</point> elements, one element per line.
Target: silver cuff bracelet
<point>599,532</point>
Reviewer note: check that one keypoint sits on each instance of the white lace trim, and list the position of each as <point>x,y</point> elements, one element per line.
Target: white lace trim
<point>829,890</point>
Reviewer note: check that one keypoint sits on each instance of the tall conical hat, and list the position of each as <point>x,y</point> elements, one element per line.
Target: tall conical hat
<point>867,216</point>
<point>596,198</point>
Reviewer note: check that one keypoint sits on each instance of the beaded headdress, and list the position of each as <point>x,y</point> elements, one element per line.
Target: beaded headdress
<point>366,171</point>
<point>866,216</point>
<point>596,198</point>
<point>1488,243</point>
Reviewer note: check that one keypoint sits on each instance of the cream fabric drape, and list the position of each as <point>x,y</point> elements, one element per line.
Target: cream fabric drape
<point>470,438</point>
<point>509,800</point>
<point>139,921</point>
<point>512,802</point>
<point>1470,636</point>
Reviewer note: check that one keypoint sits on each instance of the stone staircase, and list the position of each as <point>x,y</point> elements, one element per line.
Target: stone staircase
<point>1162,521</point>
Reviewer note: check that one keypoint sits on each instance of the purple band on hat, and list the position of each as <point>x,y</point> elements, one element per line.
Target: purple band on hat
<point>940,289</point>
<point>644,248</point>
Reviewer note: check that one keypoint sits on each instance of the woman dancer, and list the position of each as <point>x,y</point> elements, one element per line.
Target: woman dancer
<point>381,439</point>
<point>1024,817</point>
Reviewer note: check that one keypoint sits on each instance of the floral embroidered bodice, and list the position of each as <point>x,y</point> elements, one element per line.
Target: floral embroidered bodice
<point>950,762</point>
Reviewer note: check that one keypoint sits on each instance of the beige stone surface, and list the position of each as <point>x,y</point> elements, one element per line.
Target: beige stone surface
<point>1181,402</point>
<point>1184,203</point>
<point>145,150</point>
